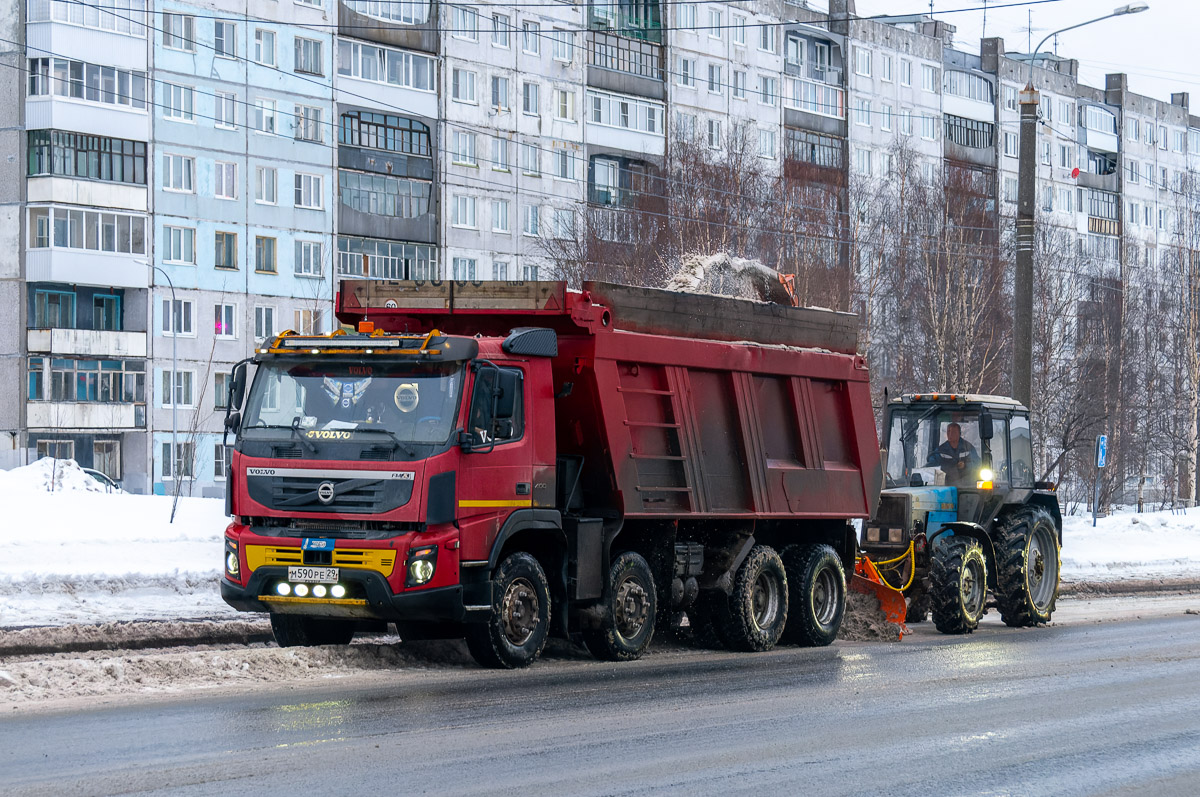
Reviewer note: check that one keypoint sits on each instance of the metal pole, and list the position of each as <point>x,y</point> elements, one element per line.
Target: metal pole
<point>174,400</point>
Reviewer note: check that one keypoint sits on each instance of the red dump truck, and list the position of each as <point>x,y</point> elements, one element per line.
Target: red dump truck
<point>503,462</point>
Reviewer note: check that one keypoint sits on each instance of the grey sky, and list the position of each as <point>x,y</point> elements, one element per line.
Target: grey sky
<point>1156,48</point>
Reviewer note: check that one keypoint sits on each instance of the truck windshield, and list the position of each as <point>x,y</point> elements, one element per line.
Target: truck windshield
<point>414,402</point>
<point>940,446</point>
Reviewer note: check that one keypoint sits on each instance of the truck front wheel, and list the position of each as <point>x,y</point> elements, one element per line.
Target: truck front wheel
<point>817,601</point>
<point>958,592</point>
<point>515,633</point>
<point>295,630</point>
<point>753,617</point>
<point>1027,567</point>
<point>630,607</point>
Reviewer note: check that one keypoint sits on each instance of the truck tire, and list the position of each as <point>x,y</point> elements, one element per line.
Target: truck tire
<point>1027,567</point>
<point>958,593</point>
<point>631,606</point>
<point>816,594</point>
<point>515,633</point>
<point>296,630</point>
<point>753,617</point>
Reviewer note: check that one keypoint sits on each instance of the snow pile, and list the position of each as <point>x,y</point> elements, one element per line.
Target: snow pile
<point>49,476</point>
<point>1152,545</point>
<point>78,556</point>
<point>724,275</point>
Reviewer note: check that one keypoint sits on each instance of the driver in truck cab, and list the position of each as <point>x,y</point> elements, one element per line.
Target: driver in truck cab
<point>957,458</point>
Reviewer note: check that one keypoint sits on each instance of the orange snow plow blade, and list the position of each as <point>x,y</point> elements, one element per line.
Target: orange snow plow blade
<point>867,580</point>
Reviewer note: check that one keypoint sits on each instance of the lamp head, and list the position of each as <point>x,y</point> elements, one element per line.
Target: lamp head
<point>1131,8</point>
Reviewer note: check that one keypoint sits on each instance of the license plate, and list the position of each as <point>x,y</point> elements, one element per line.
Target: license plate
<point>313,575</point>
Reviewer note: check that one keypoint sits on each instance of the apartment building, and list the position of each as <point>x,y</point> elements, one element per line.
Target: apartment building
<point>194,178</point>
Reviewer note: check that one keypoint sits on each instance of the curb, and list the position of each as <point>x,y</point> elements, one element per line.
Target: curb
<point>132,635</point>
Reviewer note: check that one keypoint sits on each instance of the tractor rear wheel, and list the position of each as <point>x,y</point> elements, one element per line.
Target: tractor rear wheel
<point>958,593</point>
<point>753,617</point>
<point>630,604</point>
<point>816,594</point>
<point>1027,567</point>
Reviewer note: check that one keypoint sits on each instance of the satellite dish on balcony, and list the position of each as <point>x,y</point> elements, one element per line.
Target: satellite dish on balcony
<point>1075,173</point>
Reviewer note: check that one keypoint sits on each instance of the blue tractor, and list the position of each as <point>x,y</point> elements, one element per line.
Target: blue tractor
<point>961,513</point>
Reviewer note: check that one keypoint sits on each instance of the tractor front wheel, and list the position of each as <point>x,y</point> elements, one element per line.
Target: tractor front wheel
<point>958,593</point>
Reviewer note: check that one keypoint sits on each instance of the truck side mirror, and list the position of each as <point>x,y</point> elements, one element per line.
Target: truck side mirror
<point>237,390</point>
<point>233,422</point>
<point>508,386</point>
<point>985,424</point>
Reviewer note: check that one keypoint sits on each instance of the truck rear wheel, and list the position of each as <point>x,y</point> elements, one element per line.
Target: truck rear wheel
<point>296,630</point>
<point>817,594</point>
<point>631,604</point>
<point>1027,567</point>
<point>515,633</point>
<point>958,591</point>
<point>753,617</point>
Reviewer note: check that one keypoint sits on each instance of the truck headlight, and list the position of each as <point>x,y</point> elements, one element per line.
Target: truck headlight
<point>232,562</point>
<point>422,562</point>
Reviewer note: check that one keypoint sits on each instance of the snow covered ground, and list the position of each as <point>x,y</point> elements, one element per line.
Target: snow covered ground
<point>78,555</point>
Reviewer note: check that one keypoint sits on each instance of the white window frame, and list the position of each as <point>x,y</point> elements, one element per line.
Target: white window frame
<point>531,221</point>
<point>564,45</point>
<point>228,316</point>
<point>225,110</point>
<point>501,30</point>
<point>179,103</point>
<point>266,185</point>
<point>464,153</point>
<point>179,313</point>
<point>179,32</point>
<point>531,37</point>
<point>531,160</point>
<point>266,117</point>
<point>225,39</point>
<point>179,173</point>
<point>225,180</point>
<point>564,105</point>
<point>310,256</point>
<point>308,56</point>
<point>501,162</point>
<point>310,187</point>
<point>464,23</point>
<point>462,85</point>
<point>530,97</point>
<point>264,54</point>
<point>500,219</point>
<point>862,61</point>
<point>464,212</point>
<point>264,316</point>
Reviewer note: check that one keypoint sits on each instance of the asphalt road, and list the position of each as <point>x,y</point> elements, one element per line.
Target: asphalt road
<point>1078,708</point>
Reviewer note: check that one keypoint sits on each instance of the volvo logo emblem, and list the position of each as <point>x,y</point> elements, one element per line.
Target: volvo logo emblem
<point>325,492</point>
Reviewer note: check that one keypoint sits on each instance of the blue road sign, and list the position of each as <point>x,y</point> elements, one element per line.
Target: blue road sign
<point>1101,450</point>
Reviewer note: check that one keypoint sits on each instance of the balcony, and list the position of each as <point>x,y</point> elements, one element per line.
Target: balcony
<point>632,20</point>
<point>821,73</point>
<point>86,342</point>
<point>629,66</point>
<point>815,97</point>
<point>81,267</point>
<point>85,415</point>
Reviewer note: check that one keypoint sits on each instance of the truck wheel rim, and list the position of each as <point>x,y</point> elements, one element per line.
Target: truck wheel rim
<point>764,600</point>
<point>825,597</point>
<point>1042,568</point>
<point>519,611</point>
<point>631,609</point>
<point>973,588</point>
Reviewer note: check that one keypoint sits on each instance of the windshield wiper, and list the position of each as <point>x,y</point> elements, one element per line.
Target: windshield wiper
<point>310,445</point>
<point>407,449</point>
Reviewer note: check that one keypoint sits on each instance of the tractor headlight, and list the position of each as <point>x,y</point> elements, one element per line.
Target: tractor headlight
<point>422,562</point>
<point>985,479</point>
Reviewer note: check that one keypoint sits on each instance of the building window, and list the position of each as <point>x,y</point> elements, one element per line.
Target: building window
<point>500,216</point>
<point>180,467</point>
<point>862,161</point>
<point>106,312</point>
<point>464,148</point>
<point>529,98</point>
<point>226,108</point>
<point>129,20</point>
<point>308,124</point>
<point>968,85</point>
<point>106,457</point>
<point>714,133</point>
<point>529,273</point>
<point>464,212</point>
<point>564,165</point>
<point>53,310</point>
<point>223,321</point>
<point>308,57</point>
<point>686,72</point>
<point>177,317</point>
<point>264,47</point>
<point>714,24</point>
<point>179,32</point>
<point>464,23</point>
<point>62,154</point>
<point>221,460</point>
<point>225,180</point>
<point>766,144</point>
<point>862,61</point>
<point>564,105</point>
<point>1010,98</point>
<point>564,45</point>
<point>685,126</point>
<point>62,77</point>
<point>56,449</point>
<point>178,173</point>
<point>264,254</point>
<point>687,16</point>
<point>768,90</point>
<point>500,160</point>
<point>967,132</point>
<point>308,259</point>
<point>264,116</point>
<point>885,68</point>
<point>1010,189</point>
<point>531,38</point>
<point>929,78</point>
<point>308,191</point>
<point>500,93</point>
<point>383,194</point>
<point>766,38</point>
<point>739,85</point>
<point>308,322</point>
<point>739,30</point>
<point>814,148</point>
<point>564,223</point>
<point>179,245</point>
<point>1065,200</point>
<point>225,39</point>
<point>905,72</point>
<point>86,229</point>
<point>384,132</point>
<point>178,103</point>
<point>1010,145</point>
<point>406,12</point>
<point>264,322</point>
<point>225,250</point>
<point>862,112</point>
<point>532,222</point>
<point>928,128</point>
<point>531,160</point>
<point>104,381</point>
<point>499,270</point>
<point>627,113</point>
<point>266,185</point>
<point>464,268</point>
<point>396,260</point>
<point>885,118</point>
<point>383,65</point>
<point>462,86</point>
<point>500,30</point>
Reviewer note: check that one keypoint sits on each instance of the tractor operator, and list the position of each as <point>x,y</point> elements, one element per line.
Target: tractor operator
<point>957,458</point>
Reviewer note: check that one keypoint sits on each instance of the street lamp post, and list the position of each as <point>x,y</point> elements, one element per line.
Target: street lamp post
<point>174,401</point>
<point>1022,374</point>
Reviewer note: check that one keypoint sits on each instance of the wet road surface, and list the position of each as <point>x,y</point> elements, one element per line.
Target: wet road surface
<point>1078,708</point>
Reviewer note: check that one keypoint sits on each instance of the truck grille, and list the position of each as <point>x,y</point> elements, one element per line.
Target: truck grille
<point>355,496</point>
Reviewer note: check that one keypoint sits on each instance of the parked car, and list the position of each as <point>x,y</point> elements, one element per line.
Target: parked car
<point>110,486</point>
